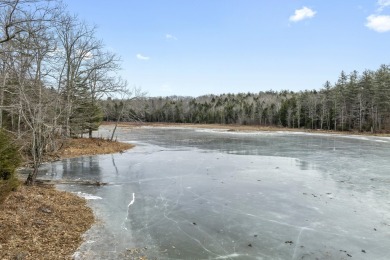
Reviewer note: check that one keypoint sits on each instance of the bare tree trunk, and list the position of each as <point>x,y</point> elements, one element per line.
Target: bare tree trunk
<point>117,122</point>
<point>2,87</point>
<point>20,120</point>
<point>32,177</point>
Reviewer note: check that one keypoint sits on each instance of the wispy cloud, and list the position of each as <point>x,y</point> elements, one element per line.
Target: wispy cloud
<point>142,57</point>
<point>379,23</point>
<point>383,4</point>
<point>301,14</point>
<point>170,37</point>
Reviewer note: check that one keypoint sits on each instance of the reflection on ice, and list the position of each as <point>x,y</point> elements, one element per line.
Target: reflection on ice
<point>189,194</point>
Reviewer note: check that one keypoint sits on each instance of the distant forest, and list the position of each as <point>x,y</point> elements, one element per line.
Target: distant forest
<point>356,102</point>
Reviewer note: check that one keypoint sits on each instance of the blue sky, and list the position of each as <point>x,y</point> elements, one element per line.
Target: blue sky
<point>192,48</point>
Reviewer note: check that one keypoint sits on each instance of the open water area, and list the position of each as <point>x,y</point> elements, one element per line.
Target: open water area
<point>186,193</point>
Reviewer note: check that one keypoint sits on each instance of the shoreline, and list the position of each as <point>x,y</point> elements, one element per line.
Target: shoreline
<point>38,222</point>
<point>244,128</point>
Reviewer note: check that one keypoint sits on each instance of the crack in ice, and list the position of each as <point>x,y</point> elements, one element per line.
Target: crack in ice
<point>297,242</point>
<point>127,215</point>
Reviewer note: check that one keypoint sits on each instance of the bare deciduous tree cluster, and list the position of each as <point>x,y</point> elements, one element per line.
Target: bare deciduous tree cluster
<point>53,72</point>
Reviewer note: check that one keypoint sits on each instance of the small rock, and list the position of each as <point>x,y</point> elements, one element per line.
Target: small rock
<point>255,235</point>
<point>45,210</point>
<point>289,242</point>
<point>250,245</point>
<point>363,251</point>
<point>20,256</point>
<point>349,255</point>
<point>193,223</point>
<point>39,222</point>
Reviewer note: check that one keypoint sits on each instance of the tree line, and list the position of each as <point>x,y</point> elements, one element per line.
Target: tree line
<point>356,102</point>
<point>55,75</point>
<point>53,72</point>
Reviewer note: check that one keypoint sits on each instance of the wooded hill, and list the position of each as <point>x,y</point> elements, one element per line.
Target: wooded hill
<point>356,102</point>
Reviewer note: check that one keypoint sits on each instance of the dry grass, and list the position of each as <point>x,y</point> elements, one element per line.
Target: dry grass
<point>88,146</point>
<point>246,128</point>
<point>42,223</point>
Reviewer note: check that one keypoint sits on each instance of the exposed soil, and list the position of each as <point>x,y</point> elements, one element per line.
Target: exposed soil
<point>41,222</point>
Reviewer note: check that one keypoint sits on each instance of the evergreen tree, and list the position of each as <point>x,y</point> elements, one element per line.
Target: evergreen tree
<point>9,161</point>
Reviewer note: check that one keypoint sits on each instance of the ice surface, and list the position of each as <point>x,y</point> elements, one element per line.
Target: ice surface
<point>190,194</point>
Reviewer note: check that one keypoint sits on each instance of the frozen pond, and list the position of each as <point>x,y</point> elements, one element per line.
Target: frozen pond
<point>203,194</point>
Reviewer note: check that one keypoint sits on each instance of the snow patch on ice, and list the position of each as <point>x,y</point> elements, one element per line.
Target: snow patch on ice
<point>87,196</point>
<point>227,131</point>
<point>234,255</point>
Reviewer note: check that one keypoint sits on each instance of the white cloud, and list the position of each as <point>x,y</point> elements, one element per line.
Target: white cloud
<point>170,37</point>
<point>379,23</point>
<point>88,55</point>
<point>301,14</point>
<point>84,55</point>
<point>142,57</point>
<point>383,4</point>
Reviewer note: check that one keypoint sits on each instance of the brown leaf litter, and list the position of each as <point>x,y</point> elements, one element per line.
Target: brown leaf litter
<point>42,223</point>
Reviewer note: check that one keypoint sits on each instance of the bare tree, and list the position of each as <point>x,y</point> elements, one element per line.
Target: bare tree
<point>51,66</point>
<point>128,96</point>
<point>24,17</point>
<point>84,63</point>
<point>34,97</point>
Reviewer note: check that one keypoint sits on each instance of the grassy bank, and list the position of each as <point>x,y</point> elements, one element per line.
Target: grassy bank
<point>88,146</point>
<point>245,128</point>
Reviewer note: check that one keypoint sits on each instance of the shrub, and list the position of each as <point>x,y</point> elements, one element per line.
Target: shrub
<point>9,161</point>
